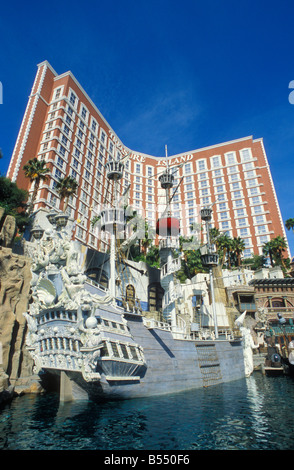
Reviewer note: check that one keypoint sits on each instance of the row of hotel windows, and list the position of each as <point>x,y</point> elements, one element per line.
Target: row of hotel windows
<point>89,168</point>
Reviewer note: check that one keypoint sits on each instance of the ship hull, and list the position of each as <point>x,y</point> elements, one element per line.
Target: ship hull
<point>171,365</point>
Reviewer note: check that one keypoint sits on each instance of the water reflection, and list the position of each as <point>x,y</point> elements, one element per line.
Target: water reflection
<point>254,413</point>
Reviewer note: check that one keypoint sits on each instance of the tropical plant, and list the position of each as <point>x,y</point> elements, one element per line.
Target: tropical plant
<point>256,262</point>
<point>152,257</point>
<point>267,250</point>
<point>37,171</point>
<point>237,247</point>
<point>290,224</point>
<point>275,249</point>
<point>66,187</point>
<point>13,200</point>
<point>224,247</point>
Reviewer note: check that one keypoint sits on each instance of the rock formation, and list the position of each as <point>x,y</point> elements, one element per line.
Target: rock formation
<point>16,364</point>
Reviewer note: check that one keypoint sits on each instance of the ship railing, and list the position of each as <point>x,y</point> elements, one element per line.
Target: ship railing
<point>96,284</point>
<point>169,242</point>
<point>206,334</point>
<point>171,267</point>
<point>152,323</point>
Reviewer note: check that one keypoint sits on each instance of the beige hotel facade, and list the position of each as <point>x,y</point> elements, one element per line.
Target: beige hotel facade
<point>64,127</point>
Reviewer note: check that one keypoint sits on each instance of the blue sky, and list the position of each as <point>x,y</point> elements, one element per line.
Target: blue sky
<point>186,74</point>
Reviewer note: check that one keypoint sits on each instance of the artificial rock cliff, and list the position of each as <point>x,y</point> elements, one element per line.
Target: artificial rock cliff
<point>16,365</point>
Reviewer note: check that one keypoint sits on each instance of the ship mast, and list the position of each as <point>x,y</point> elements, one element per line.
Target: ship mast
<point>112,218</point>
<point>168,228</point>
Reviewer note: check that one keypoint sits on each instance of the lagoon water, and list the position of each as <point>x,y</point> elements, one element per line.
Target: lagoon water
<point>256,413</point>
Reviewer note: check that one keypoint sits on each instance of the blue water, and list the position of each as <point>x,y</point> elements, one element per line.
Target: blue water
<point>256,413</point>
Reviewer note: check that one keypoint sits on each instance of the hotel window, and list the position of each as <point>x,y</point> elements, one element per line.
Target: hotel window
<point>251,183</point>
<point>60,162</point>
<point>253,191</point>
<point>257,209</point>
<point>75,163</point>
<point>247,253</point>
<point>205,201</point>
<point>64,140</point>
<point>224,215</point>
<point>250,174</point>
<point>255,200</point>
<point>57,173</point>
<point>262,229</point>
<point>216,161</point>
<point>222,206</point>
<point>73,173</point>
<point>66,129</point>
<point>232,169</point>
<point>138,168</point>
<point>188,179</point>
<point>236,185</point>
<point>188,168</point>
<point>218,180</point>
<point>62,150</point>
<point>79,143</point>
<point>57,93</point>
<point>230,158</point>
<point>247,242</point>
<point>218,172</point>
<point>94,125</point>
<point>203,184</point>
<point>189,195</point>
<point>236,194</point>
<point>70,111</point>
<point>84,113</point>
<point>219,189</point>
<point>102,136</point>
<point>201,176</point>
<point>245,155</point>
<point>221,197</point>
<point>72,98</point>
<point>263,239</point>
<point>241,222</point>
<point>235,177</point>
<point>225,225</point>
<point>201,165</point>
<point>239,203</point>
<point>248,166</point>
<point>204,192</point>
<point>244,232</point>
<point>149,171</point>
<point>259,219</point>
<point>240,212</point>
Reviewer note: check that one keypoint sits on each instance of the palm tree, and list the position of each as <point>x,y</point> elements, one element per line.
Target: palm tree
<point>66,187</point>
<point>274,249</point>
<point>238,246</point>
<point>268,250</point>
<point>290,224</point>
<point>279,246</point>
<point>224,246</point>
<point>37,171</point>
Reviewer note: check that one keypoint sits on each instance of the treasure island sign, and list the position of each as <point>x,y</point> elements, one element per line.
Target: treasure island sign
<point>142,158</point>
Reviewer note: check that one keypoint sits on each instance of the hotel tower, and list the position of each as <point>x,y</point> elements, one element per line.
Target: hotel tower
<point>63,126</point>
